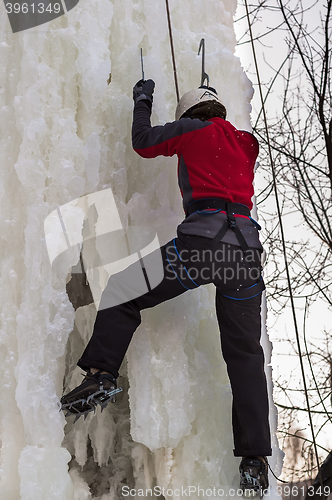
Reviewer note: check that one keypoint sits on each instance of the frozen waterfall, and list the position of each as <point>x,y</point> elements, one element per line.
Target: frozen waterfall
<point>65,134</point>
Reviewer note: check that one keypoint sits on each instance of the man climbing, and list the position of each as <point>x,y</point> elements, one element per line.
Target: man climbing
<point>217,243</point>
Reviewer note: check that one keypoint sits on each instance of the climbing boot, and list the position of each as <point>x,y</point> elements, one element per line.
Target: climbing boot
<point>253,476</point>
<point>96,389</point>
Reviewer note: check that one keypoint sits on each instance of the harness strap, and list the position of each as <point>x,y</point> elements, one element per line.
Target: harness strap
<point>246,293</point>
<point>230,223</point>
<point>217,203</point>
<point>219,236</point>
<point>231,209</point>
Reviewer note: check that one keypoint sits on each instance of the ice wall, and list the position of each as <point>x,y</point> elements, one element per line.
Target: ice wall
<point>65,133</point>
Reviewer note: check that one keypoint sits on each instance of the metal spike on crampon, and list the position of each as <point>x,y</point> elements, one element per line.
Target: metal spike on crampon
<point>250,486</point>
<point>84,406</point>
<point>254,481</point>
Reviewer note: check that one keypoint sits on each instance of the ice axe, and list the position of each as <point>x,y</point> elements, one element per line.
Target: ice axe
<point>205,76</point>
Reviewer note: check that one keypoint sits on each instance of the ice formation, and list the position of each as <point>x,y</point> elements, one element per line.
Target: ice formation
<point>65,133</point>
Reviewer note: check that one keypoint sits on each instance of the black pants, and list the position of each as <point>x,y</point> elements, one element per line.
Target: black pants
<point>188,263</point>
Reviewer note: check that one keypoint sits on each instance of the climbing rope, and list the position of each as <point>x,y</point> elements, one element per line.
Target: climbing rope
<point>172,51</point>
<point>284,246</point>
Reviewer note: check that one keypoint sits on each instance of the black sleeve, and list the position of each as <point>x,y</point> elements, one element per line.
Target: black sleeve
<point>150,142</point>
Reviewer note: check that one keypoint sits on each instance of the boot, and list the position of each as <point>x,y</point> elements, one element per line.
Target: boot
<point>253,475</point>
<point>98,388</point>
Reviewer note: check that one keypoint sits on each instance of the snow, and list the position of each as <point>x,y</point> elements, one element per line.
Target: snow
<point>65,134</point>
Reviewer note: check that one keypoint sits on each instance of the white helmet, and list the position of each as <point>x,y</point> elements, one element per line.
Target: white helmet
<point>194,97</point>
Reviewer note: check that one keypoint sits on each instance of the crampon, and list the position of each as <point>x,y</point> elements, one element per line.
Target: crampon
<point>96,389</point>
<point>254,476</point>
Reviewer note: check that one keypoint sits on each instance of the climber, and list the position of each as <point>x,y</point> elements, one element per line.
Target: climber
<point>216,243</point>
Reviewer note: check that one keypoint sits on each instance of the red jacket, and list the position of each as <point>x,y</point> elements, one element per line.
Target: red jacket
<point>215,160</point>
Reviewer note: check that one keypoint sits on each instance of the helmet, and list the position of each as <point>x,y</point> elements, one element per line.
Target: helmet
<point>194,97</point>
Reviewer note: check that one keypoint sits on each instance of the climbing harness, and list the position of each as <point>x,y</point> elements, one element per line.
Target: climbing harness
<point>246,293</point>
<point>230,209</point>
<point>230,223</point>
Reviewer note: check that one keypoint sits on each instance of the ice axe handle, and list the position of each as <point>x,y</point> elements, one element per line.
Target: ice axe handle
<point>142,65</point>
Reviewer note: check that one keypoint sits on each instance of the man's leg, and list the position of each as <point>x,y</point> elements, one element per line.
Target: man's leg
<point>240,328</point>
<point>117,319</point>
<point>115,326</point>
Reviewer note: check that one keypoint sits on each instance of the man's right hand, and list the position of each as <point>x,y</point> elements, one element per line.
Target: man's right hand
<point>143,90</point>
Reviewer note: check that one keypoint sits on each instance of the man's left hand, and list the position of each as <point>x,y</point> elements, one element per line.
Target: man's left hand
<point>143,90</point>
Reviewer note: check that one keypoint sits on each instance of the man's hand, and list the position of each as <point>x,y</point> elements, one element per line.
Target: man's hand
<point>143,90</point>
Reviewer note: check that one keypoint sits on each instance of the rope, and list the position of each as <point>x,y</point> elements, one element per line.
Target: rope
<point>284,247</point>
<point>277,478</point>
<point>172,51</point>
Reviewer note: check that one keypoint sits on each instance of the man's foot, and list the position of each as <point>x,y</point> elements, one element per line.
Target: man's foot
<point>253,476</point>
<point>97,388</point>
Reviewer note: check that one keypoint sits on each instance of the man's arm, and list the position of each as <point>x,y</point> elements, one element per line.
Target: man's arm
<point>164,140</point>
<point>150,142</point>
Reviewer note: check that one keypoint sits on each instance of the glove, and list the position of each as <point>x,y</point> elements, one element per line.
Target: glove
<point>143,90</point>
